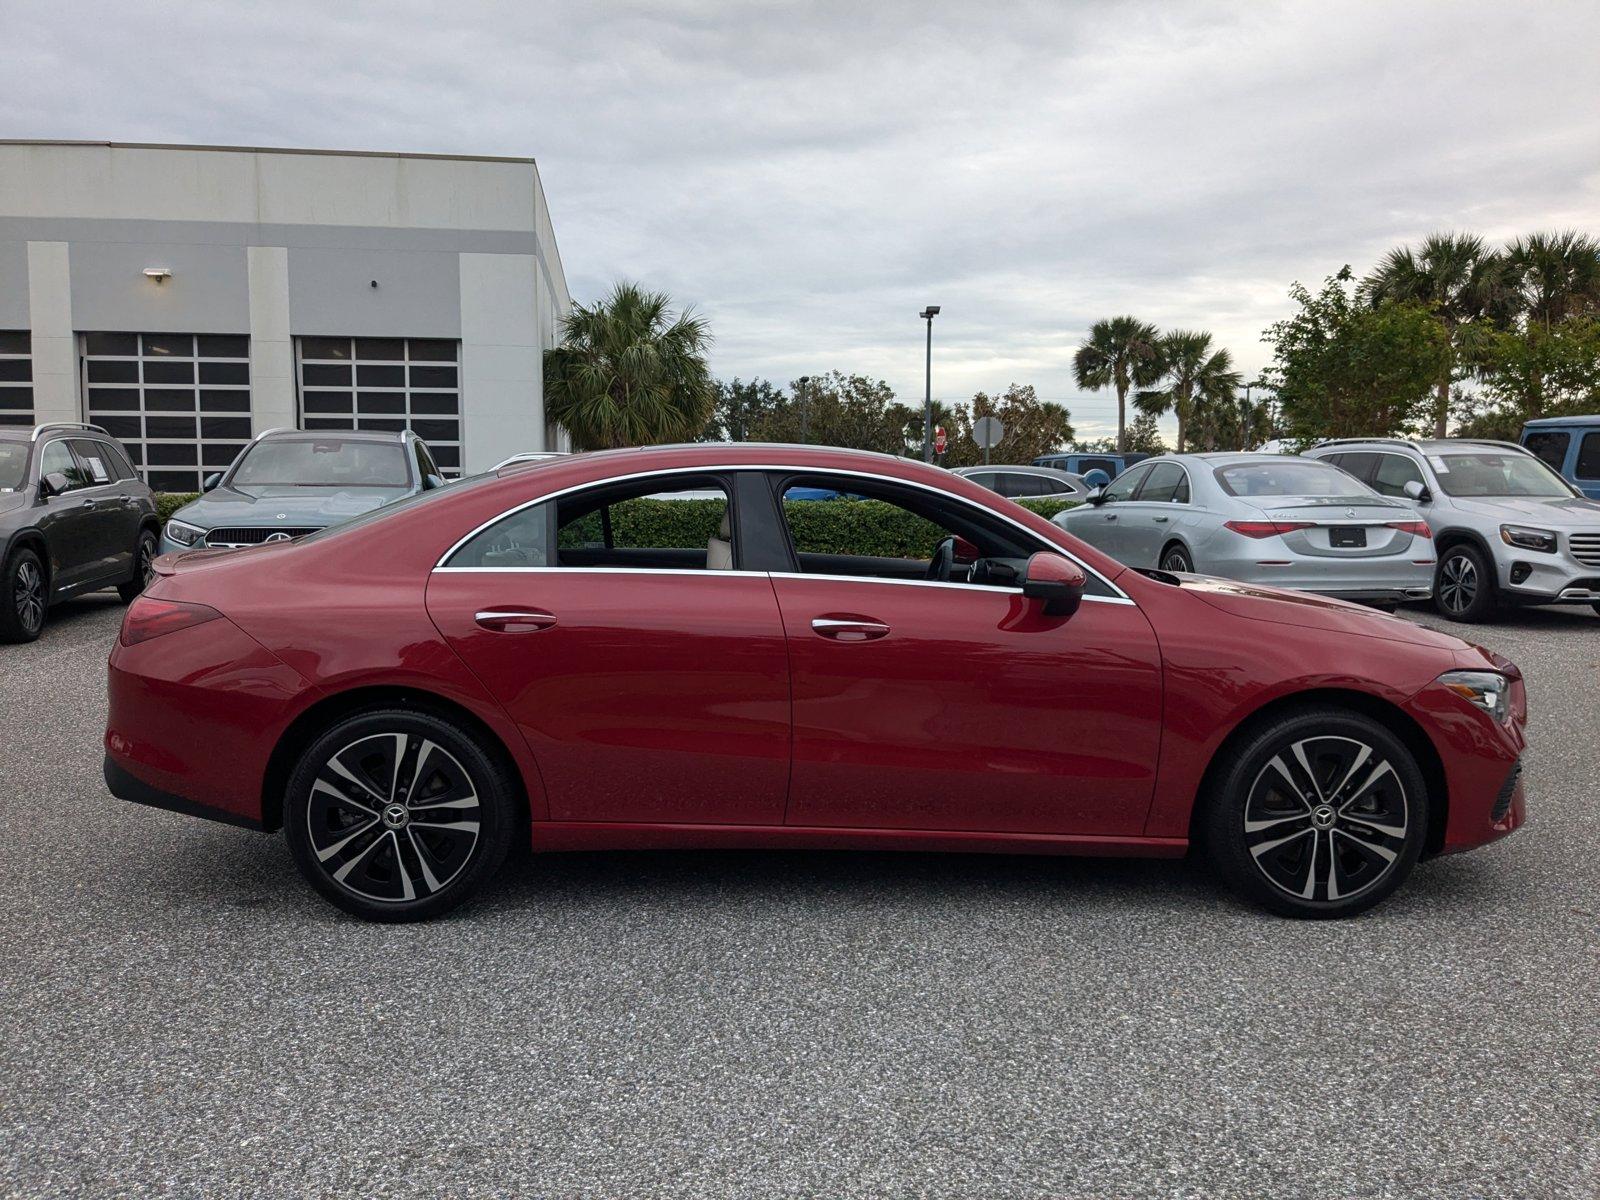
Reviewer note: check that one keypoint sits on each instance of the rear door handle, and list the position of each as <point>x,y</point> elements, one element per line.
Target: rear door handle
<point>845,627</point>
<point>515,620</point>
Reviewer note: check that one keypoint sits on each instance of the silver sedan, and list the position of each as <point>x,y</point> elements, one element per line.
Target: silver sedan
<point>1261,518</point>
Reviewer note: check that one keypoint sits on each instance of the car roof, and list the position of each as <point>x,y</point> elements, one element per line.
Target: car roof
<point>329,435</point>
<point>749,455</point>
<point>1550,422</point>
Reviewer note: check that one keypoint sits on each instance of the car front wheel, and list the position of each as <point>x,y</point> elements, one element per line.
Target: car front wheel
<point>398,815</point>
<point>1463,585</point>
<point>1321,813</point>
<point>23,597</point>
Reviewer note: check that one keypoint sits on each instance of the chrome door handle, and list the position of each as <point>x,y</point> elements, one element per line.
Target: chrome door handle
<point>515,620</point>
<point>849,629</point>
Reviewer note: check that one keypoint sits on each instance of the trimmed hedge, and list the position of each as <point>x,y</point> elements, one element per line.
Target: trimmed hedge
<point>819,526</point>
<point>168,503</point>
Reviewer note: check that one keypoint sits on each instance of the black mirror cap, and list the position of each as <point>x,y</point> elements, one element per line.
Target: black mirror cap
<point>53,484</point>
<point>1055,581</point>
<point>211,481</point>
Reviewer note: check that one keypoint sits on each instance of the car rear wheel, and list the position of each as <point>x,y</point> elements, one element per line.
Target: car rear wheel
<point>1321,813</point>
<point>398,815</point>
<point>144,569</point>
<point>23,597</point>
<point>1176,558</point>
<point>1463,586</point>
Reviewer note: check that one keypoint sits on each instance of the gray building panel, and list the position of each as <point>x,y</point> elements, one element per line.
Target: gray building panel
<point>209,291</point>
<point>14,284</point>
<point>331,292</point>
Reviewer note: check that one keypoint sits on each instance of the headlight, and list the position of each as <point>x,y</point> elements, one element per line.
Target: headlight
<point>184,535</point>
<point>1524,538</point>
<point>1489,690</point>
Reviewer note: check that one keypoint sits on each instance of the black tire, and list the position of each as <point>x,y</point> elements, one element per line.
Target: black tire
<point>362,837</point>
<point>143,556</point>
<point>1176,558</point>
<point>1365,834</point>
<point>1464,584</point>
<point>24,597</point>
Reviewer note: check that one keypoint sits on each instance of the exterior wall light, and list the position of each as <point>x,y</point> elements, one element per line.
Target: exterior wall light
<point>159,274</point>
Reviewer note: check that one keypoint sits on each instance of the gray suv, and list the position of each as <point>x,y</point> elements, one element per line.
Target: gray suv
<point>289,482</point>
<point>1507,528</point>
<point>74,517</point>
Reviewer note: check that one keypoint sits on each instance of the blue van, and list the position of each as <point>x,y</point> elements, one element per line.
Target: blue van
<point>1571,445</point>
<point>1105,467</point>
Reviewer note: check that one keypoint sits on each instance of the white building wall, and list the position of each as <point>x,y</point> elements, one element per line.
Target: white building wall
<point>272,382</point>
<point>55,352</point>
<point>501,356</point>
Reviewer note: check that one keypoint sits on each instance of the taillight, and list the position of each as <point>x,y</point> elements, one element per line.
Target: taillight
<point>151,618</point>
<point>1266,529</point>
<point>1414,528</point>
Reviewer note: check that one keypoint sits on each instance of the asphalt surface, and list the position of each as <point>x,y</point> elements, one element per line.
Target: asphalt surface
<point>182,1016</point>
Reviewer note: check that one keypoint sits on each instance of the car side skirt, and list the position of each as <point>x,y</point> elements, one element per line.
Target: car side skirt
<point>556,836</point>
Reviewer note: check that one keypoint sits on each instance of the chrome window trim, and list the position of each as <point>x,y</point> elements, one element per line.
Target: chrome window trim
<point>721,468</point>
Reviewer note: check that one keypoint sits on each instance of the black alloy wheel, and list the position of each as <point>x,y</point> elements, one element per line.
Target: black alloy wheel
<point>24,596</point>
<point>1321,814</point>
<point>398,815</point>
<point>1464,587</point>
<point>144,568</point>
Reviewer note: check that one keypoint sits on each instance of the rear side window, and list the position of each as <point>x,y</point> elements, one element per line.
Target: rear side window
<point>98,465</point>
<point>1360,465</point>
<point>1588,457</point>
<point>1552,447</point>
<point>1016,484</point>
<point>1394,472</point>
<point>1163,483</point>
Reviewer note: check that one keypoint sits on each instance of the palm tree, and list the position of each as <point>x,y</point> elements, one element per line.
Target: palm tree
<point>1453,275</point>
<point>1552,276</point>
<point>629,372</point>
<point>1122,352</point>
<point>1196,376</point>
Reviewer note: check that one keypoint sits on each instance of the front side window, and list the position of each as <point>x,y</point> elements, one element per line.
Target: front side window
<point>1497,473</point>
<point>1121,488</point>
<point>685,524</point>
<point>312,462</point>
<point>1289,477</point>
<point>56,459</point>
<point>1393,473</point>
<point>1552,447</point>
<point>1163,484</point>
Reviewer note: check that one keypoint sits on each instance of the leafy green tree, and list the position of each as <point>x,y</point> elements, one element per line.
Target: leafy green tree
<point>1540,370</point>
<point>838,410</point>
<point>1196,376</point>
<point>1233,422</point>
<point>629,372</point>
<point>1120,353</point>
<point>1143,437</point>
<point>1032,427</point>
<point>1549,277</point>
<point>739,406</point>
<point>1342,368</point>
<point>1457,279</point>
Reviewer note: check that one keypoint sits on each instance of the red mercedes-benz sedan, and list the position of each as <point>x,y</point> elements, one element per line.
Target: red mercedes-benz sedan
<point>668,648</point>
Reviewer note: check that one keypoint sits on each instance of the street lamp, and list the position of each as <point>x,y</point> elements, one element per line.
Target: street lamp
<point>804,385</point>
<point>928,314</point>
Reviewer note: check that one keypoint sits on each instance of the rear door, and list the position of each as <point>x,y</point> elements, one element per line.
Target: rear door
<point>649,688</point>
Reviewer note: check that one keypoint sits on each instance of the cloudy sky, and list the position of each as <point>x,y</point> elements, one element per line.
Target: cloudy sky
<point>810,175</point>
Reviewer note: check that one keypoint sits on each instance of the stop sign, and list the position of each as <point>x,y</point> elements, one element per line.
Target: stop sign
<point>938,439</point>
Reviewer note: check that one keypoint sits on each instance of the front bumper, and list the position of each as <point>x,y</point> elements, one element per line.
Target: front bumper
<point>1535,578</point>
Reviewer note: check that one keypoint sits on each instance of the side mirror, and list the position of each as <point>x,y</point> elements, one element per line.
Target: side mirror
<point>210,481</point>
<point>1096,496</point>
<point>1056,581</point>
<point>1418,491</point>
<point>53,484</point>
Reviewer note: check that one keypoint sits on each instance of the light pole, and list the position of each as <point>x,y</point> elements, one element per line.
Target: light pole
<point>804,384</point>
<point>928,314</point>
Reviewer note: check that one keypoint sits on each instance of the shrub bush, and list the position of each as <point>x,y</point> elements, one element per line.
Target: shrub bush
<point>168,503</point>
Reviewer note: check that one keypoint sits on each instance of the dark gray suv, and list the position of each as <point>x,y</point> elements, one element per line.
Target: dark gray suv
<point>74,518</point>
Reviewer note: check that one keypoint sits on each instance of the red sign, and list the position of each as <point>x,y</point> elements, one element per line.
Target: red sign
<point>938,439</point>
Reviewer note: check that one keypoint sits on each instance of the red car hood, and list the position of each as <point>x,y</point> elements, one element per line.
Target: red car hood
<point>1283,607</point>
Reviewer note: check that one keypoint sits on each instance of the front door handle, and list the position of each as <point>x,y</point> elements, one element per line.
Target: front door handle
<point>846,627</point>
<point>1162,520</point>
<point>1111,516</point>
<point>515,620</point>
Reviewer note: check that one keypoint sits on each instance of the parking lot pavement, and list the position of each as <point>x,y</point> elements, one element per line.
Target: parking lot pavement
<point>183,1017</point>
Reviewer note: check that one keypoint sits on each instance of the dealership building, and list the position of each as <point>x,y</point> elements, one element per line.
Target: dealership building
<point>186,298</point>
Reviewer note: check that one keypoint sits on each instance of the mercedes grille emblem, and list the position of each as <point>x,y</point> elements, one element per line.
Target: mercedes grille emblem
<point>280,536</point>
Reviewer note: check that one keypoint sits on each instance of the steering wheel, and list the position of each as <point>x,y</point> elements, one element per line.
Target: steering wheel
<point>943,560</point>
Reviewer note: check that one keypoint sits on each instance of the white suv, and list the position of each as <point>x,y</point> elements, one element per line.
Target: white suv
<point>1508,529</point>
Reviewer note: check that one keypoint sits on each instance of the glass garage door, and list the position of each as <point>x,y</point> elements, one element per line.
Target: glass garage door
<point>385,383</point>
<point>179,402</point>
<point>16,378</point>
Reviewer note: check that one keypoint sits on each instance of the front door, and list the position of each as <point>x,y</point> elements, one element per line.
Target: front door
<point>649,677</point>
<point>930,695</point>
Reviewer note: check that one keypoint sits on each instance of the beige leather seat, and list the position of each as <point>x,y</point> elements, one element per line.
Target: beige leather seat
<point>719,550</point>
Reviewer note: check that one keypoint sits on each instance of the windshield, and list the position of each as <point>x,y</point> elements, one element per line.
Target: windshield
<point>1494,473</point>
<point>1290,477</point>
<point>13,465</point>
<point>330,463</point>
